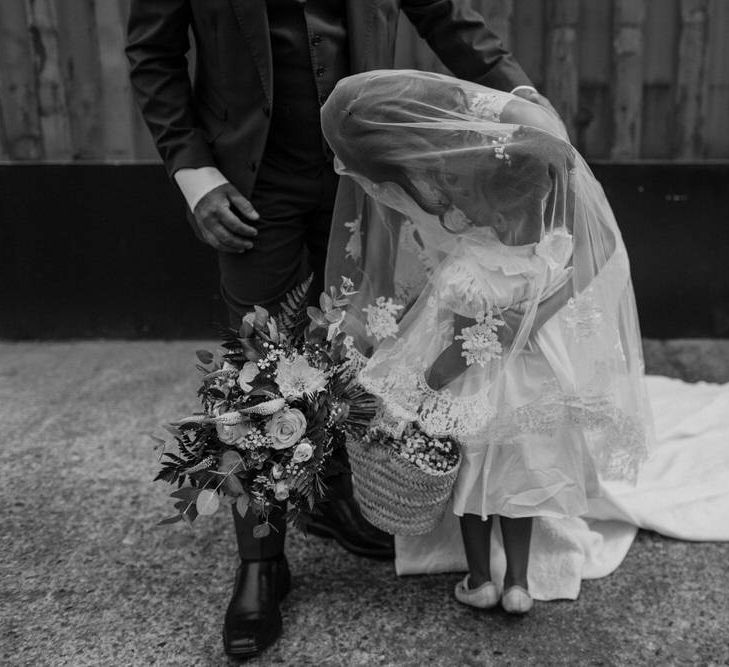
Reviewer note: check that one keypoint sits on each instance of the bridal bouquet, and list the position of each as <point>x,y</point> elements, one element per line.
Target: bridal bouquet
<point>277,400</point>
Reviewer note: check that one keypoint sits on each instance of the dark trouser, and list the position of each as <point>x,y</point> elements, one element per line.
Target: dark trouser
<point>293,233</point>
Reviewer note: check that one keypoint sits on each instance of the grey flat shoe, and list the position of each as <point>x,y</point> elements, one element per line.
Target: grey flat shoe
<point>516,600</point>
<point>485,596</point>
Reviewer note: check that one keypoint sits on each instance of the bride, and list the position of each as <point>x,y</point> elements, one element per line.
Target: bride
<point>494,304</point>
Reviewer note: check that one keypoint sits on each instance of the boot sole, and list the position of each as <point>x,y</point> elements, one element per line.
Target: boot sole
<point>329,533</point>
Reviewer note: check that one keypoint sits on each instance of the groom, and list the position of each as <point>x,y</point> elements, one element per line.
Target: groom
<point>244,145</point>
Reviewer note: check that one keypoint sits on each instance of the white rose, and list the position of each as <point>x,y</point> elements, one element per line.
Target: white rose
<point>286,427</point>
<point>303,452</point>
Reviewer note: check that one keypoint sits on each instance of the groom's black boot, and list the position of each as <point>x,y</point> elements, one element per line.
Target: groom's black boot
<point>340,518</point>
<point>253,620</point>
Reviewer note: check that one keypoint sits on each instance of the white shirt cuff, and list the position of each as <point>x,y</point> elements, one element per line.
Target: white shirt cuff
<point>196,183</point>
<point>532,88</point>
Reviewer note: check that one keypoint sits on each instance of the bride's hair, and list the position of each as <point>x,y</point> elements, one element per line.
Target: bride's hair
<point>439,166</point>
<point>422,135</point>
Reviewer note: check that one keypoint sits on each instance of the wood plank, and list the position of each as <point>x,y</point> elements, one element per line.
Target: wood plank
<point>51,91</point>
<point>4,145</point>
<point>627,78</point>
<point>81,72</point>
<point>20,119</point>
<point>715,134</point>
<point>593,124</point>
<point>117,105</point>
<point>660,38</point>
<point>691,78</point>
<point>528,42</point>
<point>144,148</point>
<point>561,67</point>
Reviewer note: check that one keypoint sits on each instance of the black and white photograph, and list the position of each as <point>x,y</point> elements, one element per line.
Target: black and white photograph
<point>364,332</point>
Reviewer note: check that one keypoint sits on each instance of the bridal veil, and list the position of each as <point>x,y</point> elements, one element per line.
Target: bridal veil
<point>465,217</point>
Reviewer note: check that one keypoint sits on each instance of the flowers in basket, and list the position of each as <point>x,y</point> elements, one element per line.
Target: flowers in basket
<point>277,400</point>
<point>433,456</point>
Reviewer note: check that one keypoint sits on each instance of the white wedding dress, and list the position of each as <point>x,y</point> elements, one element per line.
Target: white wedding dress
<point>682,492</point>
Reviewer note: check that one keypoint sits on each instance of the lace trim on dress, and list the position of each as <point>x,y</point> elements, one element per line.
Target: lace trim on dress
<point>409,397</point>
<point>616,439</point>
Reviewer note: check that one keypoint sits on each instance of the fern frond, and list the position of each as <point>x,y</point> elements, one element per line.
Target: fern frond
<point>292,318</point>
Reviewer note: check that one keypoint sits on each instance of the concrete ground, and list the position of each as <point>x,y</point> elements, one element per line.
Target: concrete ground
<point>86,578</point>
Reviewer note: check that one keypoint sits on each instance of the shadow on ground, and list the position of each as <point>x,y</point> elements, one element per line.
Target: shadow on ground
<point>88,579</point>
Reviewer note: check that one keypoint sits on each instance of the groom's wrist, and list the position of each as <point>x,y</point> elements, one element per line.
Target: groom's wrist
<point>196,183</point>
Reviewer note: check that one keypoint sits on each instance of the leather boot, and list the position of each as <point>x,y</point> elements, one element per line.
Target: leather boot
<point>253,619</point>
<point>341,519</point>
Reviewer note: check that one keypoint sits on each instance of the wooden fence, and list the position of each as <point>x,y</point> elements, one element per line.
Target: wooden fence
<point>634,79</point>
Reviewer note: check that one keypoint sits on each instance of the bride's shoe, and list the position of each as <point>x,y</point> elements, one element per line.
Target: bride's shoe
<point>485,596</point>
<point>516,600</point>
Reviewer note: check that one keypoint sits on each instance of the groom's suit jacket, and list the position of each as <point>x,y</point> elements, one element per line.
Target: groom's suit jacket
<point>222,119</point>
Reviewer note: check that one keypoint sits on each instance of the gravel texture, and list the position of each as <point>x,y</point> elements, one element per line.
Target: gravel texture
<point>87,578</point>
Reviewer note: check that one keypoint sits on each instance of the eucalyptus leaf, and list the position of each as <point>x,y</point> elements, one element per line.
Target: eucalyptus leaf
<point>170,520</point>
<point>233,485</point>
<point>229,461</point>
<point>261,317</point>
<point>325,302</point>
<point>187,493</point>
<point>204,356</point>
<point>207,502</point>
<point>315,315</point>
<point>242,504</point>
<point>252,354</point>
<point>261,530</point>
<point>246,329</point>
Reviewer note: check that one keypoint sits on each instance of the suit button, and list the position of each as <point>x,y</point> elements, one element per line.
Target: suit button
<point>320,70</point>
<point>267,111</point>
<point>316,40</point>
<point>252,165</point>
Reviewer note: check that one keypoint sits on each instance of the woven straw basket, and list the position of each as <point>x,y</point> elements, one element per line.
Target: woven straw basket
<point>394,494</point>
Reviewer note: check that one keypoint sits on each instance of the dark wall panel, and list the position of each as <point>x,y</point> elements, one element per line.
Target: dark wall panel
<point>97,250</point>
<point>105,251</point>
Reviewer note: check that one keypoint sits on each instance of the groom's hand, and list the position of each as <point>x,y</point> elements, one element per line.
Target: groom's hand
<point>533,96</point>
<point>536,97</point>
<point>222,217</point>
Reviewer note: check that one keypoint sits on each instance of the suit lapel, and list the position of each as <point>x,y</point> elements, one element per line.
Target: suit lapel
<point>253,20</point>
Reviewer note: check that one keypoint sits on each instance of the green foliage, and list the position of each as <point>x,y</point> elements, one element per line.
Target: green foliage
<point>292,318</point>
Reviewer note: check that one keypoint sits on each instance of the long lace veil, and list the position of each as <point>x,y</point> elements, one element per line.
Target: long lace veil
<point>448,191</point>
